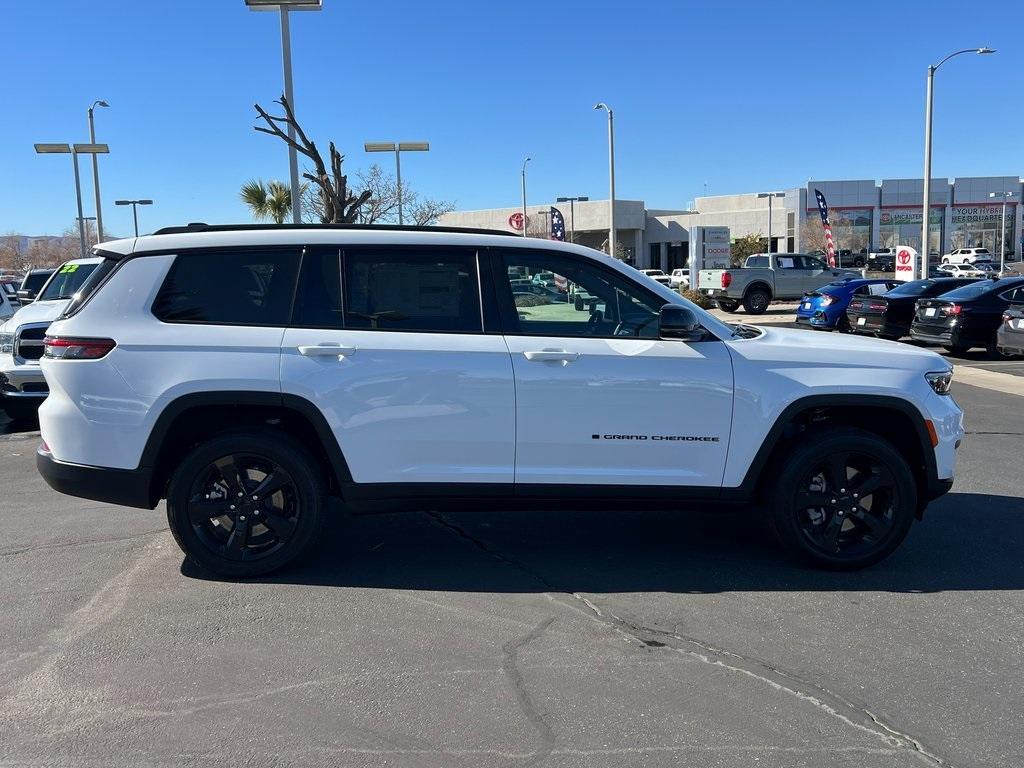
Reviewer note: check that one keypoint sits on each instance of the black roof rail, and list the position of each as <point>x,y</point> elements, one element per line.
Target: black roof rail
<point>202,227</point>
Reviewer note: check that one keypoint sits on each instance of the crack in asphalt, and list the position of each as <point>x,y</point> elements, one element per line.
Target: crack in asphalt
<point>511,667</point>
<point>82,543</point>
<point>823,699</point>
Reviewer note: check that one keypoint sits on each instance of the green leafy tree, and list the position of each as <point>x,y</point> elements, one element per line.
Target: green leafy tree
<point>267,202</point>
<point>745,246</point>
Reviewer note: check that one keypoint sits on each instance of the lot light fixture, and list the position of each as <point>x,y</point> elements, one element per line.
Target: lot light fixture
<point>525,161</point>
<point>926,203</point>
<point>403,146</point>
<point>96,169</point>
<point>75,150</point>
<point>283,7</point>
<point>135,209</point>
<point>611,177</point>
<point>770,196</point>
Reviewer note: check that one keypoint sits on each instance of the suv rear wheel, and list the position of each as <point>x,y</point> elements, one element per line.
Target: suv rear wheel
<point>246,503</point>
<point>844,499</point>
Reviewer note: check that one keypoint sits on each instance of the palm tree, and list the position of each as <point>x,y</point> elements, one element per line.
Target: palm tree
<point>272,200</point>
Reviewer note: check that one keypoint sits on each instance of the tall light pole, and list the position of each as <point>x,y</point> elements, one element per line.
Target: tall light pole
<point>1002,228</point>
<point>926,204</point>
<point>96,170</point>
<point>284,6</point>
<point>75,150</point>
<point>524,195</point>
<point>135,210</point>
<point>403,146</point>
<point>611,177</point>
<point>572,213</point>
<point>770,196</point>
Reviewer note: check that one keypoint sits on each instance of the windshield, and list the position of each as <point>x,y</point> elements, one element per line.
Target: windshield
<point>68,279</point>
<point>34,280</point>
<point>913,288</point>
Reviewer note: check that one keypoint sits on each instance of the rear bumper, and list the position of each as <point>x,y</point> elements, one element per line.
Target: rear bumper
<point>945,338</point>
<point>127,487</point>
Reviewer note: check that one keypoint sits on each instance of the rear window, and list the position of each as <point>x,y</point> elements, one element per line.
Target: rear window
<point>412,290</point>
<point>913,288</point>
<point>34,280</point>
<point>66,281</point>
<point>972,291</point>
<point>237,287</point>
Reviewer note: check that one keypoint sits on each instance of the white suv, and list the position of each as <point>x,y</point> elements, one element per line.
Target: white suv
<point>247,373</point>
<point>968,256</point>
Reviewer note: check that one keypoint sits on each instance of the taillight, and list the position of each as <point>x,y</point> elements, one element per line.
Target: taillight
<point>828,298</point>
<point>726,279</point>
<point>954,309</point>
<point>65,348</point>
<point>1007,318</point>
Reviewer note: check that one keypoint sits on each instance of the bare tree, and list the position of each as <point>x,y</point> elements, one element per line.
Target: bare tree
<point>338,205</point>
<point>382,205</point>
<point>426,212</point>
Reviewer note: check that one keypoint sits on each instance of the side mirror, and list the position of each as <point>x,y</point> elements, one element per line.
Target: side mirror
<point>676,322</point>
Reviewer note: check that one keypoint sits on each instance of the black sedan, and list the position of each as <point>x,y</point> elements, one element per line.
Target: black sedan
<point>968,316</point>
<point>889,316</point>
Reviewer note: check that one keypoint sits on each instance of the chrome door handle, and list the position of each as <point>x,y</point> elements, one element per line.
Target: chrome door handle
<point>552,356</point>
<point>326,350</point>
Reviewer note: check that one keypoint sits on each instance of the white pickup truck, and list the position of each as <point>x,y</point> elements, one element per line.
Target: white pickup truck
<point>765,278</point>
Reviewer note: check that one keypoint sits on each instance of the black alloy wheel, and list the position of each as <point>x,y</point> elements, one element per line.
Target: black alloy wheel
<point>756,302</point>
<point>845,498</point>
<point>244,507</point>
<point>246,503</point>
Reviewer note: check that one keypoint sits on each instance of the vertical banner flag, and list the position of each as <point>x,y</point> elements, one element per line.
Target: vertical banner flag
<point>557,224</point>
<point>830,244</point>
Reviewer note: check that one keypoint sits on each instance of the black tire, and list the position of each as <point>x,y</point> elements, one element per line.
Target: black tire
<point>992,349</point>
<point>831,527</point>
<point>843,324</point>
<point>858,262</point>
<point>955,349</point>
<point>277,529</point>
<point>727,305</point>
<point>756,301</point>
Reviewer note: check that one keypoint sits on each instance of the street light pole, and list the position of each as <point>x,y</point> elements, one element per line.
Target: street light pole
<point>572,213</point>
<point>74,150</point>
<point>96,170</point>
<point>611,177</point>
<point>926,203</point>
<point>283,7</point>
<point>397,148</point>
<point>524,195</point>
<point>135,211</point>
<point>770,195</point>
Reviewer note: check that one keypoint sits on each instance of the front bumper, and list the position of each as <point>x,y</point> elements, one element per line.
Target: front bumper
<point>127,487</point>
<point>22,381</point>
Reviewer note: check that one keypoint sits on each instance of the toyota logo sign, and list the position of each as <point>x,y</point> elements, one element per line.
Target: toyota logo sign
<point>516,221</point>
<point>904,256</point>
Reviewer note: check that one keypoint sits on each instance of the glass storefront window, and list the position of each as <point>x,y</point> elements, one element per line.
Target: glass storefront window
<point>851,228</point>
<point>977,226</point>
<point>902,226</point>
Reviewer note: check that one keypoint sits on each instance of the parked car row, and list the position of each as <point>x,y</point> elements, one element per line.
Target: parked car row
<point>957,313</point>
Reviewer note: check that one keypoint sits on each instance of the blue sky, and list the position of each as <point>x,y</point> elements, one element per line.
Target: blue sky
<point>741,96</point>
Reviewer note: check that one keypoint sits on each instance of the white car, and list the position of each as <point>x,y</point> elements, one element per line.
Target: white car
<point>657,275</point>
<point>9,303</point>
<point>962,270</point>
<point>967,256</point>
<point>22,386</point>
<point>680,278</point>
<point>245,374</point>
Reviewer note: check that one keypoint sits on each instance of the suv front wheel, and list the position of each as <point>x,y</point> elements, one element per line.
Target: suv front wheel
<point>246,503</point>
<point>844,499</point>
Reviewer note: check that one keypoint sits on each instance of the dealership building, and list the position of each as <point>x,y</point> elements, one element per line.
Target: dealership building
<point>865,215</point>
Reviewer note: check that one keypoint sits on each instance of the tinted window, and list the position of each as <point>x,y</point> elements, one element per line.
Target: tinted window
<point>810,262</point>
<point>1015,295</point>
<point>412,290</point>
<point>585,300</point>
<point>66,281</point>
<point>971,291</point>
<point>318,297</point>
<point>88,287</point>
<point>229,288</point>
<point>34,280</point>
<point>757,261</point>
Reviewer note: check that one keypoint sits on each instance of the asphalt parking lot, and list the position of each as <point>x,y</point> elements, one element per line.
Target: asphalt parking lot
<point>487,639</point>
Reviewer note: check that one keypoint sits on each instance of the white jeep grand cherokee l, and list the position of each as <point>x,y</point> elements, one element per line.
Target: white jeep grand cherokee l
<point>245,374</point>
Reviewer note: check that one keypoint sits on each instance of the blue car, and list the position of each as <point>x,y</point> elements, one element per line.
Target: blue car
<point>825,308</point>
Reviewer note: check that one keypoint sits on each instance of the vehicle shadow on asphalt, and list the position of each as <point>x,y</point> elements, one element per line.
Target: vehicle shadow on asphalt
<point>966,542</point>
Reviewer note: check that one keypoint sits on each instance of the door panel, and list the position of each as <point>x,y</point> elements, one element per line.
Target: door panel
<point>621,411</point>
<point>789,276</point>
<point>399,366</point>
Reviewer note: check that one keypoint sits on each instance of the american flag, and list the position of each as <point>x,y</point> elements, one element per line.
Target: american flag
<point>830,244</point>
<point>557,224</point>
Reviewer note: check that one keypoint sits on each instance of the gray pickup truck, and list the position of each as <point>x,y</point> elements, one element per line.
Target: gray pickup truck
<point>766,278</point>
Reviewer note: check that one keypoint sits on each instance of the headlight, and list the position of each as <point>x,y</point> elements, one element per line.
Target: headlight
<point>6,343</point>
<point>940,381</point>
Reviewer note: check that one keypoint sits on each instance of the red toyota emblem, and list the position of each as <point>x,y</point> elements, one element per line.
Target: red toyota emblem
<point>904,257</point>
<point>516,221</point>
